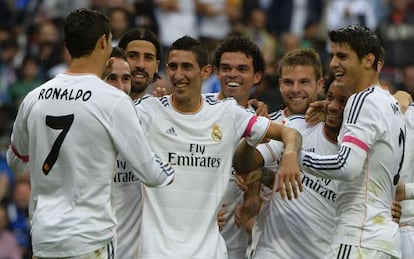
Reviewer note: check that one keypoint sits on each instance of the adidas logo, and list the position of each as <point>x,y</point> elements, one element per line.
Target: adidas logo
<point>171,131</point>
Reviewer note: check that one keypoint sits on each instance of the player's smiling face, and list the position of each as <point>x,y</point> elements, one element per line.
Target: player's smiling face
<point>346,66</point>
<point>142,58</point>
<point>185,75</point>
<point>237,76</point>
<point>120,76</point>
<point>298,87</point>
<point>337,98</point>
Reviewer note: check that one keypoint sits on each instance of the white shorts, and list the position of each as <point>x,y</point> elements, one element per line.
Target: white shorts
<point>106,252</point>
<point>343,251</point>
<point>407,241</point>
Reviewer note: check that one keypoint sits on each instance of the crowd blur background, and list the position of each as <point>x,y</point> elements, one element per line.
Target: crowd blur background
<point>32,51</point>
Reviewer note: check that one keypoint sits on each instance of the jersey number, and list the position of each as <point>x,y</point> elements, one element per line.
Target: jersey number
<point>59,123</point>
<point>401,141</point>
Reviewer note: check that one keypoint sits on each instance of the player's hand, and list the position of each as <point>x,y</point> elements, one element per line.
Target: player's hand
<point>260,107</point>
<point>221,221</point>
<point>400,192</point>
<point>316,112</point>
<point>396,211</point>
<point>404,99</point>
<point>289,176</point>
<point>244,180</point>
<point>159,91</point>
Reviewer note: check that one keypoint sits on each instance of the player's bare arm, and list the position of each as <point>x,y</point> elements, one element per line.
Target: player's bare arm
<point>246,159</point>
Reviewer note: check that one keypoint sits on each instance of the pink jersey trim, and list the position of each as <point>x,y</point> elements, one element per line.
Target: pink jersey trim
<point>247,132</point>
<point>355,141</point>
<point>23,158</point>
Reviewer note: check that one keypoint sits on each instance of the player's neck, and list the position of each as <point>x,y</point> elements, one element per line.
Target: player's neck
<point>186,106</point>
<point>85,66</point>
<point>370,79</point>
<point>136,96</point>
<point>331,134</point>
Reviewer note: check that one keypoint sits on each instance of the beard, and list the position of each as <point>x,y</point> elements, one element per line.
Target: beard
<point>137,89</point>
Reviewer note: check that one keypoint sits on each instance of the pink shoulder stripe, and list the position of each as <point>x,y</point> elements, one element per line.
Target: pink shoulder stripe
<point>356,141</point>
<point>247,132</point>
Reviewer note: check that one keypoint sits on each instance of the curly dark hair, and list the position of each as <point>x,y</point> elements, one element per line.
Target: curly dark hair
<point>238,43</point>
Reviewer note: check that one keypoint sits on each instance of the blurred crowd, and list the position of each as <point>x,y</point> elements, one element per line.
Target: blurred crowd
<point>32,51</point>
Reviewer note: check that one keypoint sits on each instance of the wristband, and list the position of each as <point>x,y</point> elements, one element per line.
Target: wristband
<point>409,190</point>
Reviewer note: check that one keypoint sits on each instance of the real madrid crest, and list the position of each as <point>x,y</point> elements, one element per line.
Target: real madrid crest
<point>216,133</point>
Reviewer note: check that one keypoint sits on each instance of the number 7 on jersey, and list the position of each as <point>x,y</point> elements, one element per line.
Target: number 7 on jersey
<point>59,123</point>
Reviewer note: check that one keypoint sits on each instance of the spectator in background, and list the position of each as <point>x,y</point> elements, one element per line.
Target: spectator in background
<point>293,16</point>
<point>408,79</point>
<point>213,14</point>
<point>8,51</point>
<point>341,13</point>
<point>18,213</point>
<point>144,15</point>
<point>46,45</point>
<point>8,243</point>
<point>62,65</point>
<point>28,78</point>
<point>267,90</point>
<point>6,175</point>
<point>396,32</point>
<point>257,32</point>
<point>120,22</point>
<point>175,18</point>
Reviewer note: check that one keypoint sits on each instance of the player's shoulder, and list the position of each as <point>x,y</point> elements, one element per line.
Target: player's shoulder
<point>212,100</point>
<point>373,97</point>
<point>296,121</point>
<point>276,115</point>
<point>153,104</point>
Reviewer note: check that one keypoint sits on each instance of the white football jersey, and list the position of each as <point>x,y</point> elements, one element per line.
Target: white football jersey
<point>70,130</point>
<point>271,157</point>
<point>368,164</point>
<point>407,176</point>
<point>306,222</point>
<point>180,221</point>
<point>236,238</point>
<point>127,203</point>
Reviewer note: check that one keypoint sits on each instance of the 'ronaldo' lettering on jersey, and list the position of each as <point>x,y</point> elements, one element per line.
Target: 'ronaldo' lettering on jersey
<point>64,94</point>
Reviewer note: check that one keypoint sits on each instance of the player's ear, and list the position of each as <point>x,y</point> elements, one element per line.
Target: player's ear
<point>369,60</point>
<point>206,71</point>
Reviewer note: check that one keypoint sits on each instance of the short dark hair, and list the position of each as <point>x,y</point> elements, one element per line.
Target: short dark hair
<point>118,52</point>
<point>360,39</point>
<point>141,34</point>
<point>82,29</point>
<point>238,43</point>
<point>302,57</point>
<point>188,43</point>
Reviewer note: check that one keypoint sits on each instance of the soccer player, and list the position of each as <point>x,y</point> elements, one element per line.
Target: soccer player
<point>120,73</point>
<point>309,220</point>
<point>300,82</point>
<point>143,53</point>
<point>371,144</point>
<point>240,66</point>
<point>405,187</point>
<point>68,132</point>
<point>197,135</point>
